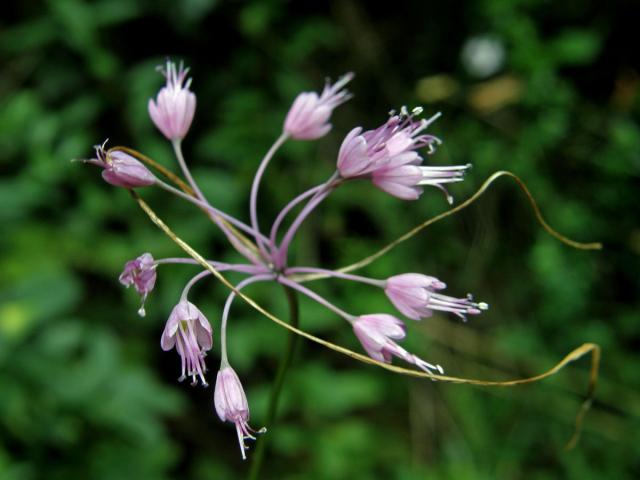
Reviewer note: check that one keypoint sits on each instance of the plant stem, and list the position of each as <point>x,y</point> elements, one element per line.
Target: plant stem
<point>285,362</point>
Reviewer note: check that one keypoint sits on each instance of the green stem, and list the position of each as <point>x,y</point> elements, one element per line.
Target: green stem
<point>285,362</point>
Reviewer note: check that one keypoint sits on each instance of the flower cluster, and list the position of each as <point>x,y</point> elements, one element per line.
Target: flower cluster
<point>388,156</point>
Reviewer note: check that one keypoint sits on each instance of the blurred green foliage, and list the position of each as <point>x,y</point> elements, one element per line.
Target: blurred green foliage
<point>85,392</point>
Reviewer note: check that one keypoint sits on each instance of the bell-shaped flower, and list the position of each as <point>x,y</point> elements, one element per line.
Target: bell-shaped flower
<point>231,406</point>
<point>377,333</point>
<point>189,331</point>
<point>175,105</point>
<point>121,169</point>
<point>141,273</point>
<point>308,117</point>
<point>415,296</point>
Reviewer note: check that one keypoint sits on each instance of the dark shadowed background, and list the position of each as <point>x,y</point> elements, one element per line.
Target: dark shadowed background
<point>548,90</point>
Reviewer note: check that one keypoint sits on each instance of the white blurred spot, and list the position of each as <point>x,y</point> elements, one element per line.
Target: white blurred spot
<point>482,55</point>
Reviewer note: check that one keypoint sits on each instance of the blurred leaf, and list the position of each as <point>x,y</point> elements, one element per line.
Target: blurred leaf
<point>576,47</point>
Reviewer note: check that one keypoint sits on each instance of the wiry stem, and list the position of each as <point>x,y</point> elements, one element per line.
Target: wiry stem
<point>285,362</point>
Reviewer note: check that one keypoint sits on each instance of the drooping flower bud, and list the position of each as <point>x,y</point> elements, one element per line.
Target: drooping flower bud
<point>415,296</point>
<point>175,105</point>
<point>141,273</point>
<point>121,169</point>
<point>308,118</point>
<point>189,331</point>
<point>377,332</point>
<point>231,406</point>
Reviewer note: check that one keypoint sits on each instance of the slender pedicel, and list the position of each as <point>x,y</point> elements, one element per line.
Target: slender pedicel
<point>225,312</point>
<point>253,200</point>
<point>220,266</point>
<point>288,207</point>
<point>314,296</point>
<point>332,273</point>
<point>177,148</point>
<point>282,251</point>
<point>254,270</point>
<point>195,279</point>
<point>232,220</point>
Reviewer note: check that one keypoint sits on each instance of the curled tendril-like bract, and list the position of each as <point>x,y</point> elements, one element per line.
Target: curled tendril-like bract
<point>576,354</point>
<point>417,229</point>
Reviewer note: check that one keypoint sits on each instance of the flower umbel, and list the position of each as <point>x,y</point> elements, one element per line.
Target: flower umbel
<point>377,333</point>
<point>415,296</point>
<point>308,118</point>
<point>388,156</point>
<point>189,331</point>
<point>141,273</point>
<point>175,105</point>
<point>231,406</point>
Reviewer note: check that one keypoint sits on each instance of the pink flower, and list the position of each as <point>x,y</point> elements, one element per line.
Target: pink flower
<point>388,156</point>
<point>406,181</point>
<point>141,273</point>
<point>189,331</point>
<point>415,296</point>
<point>393,143</point>
<point>308,118</point>
<point>121,169</point>
<point>175,105</point>
<point>231,406</point>
<point>377,333</point>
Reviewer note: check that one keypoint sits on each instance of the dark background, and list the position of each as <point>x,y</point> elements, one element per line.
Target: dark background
<point>86,392</point>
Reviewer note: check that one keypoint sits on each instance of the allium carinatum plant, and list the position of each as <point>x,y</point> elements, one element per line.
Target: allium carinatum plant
<point>394,155</point>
